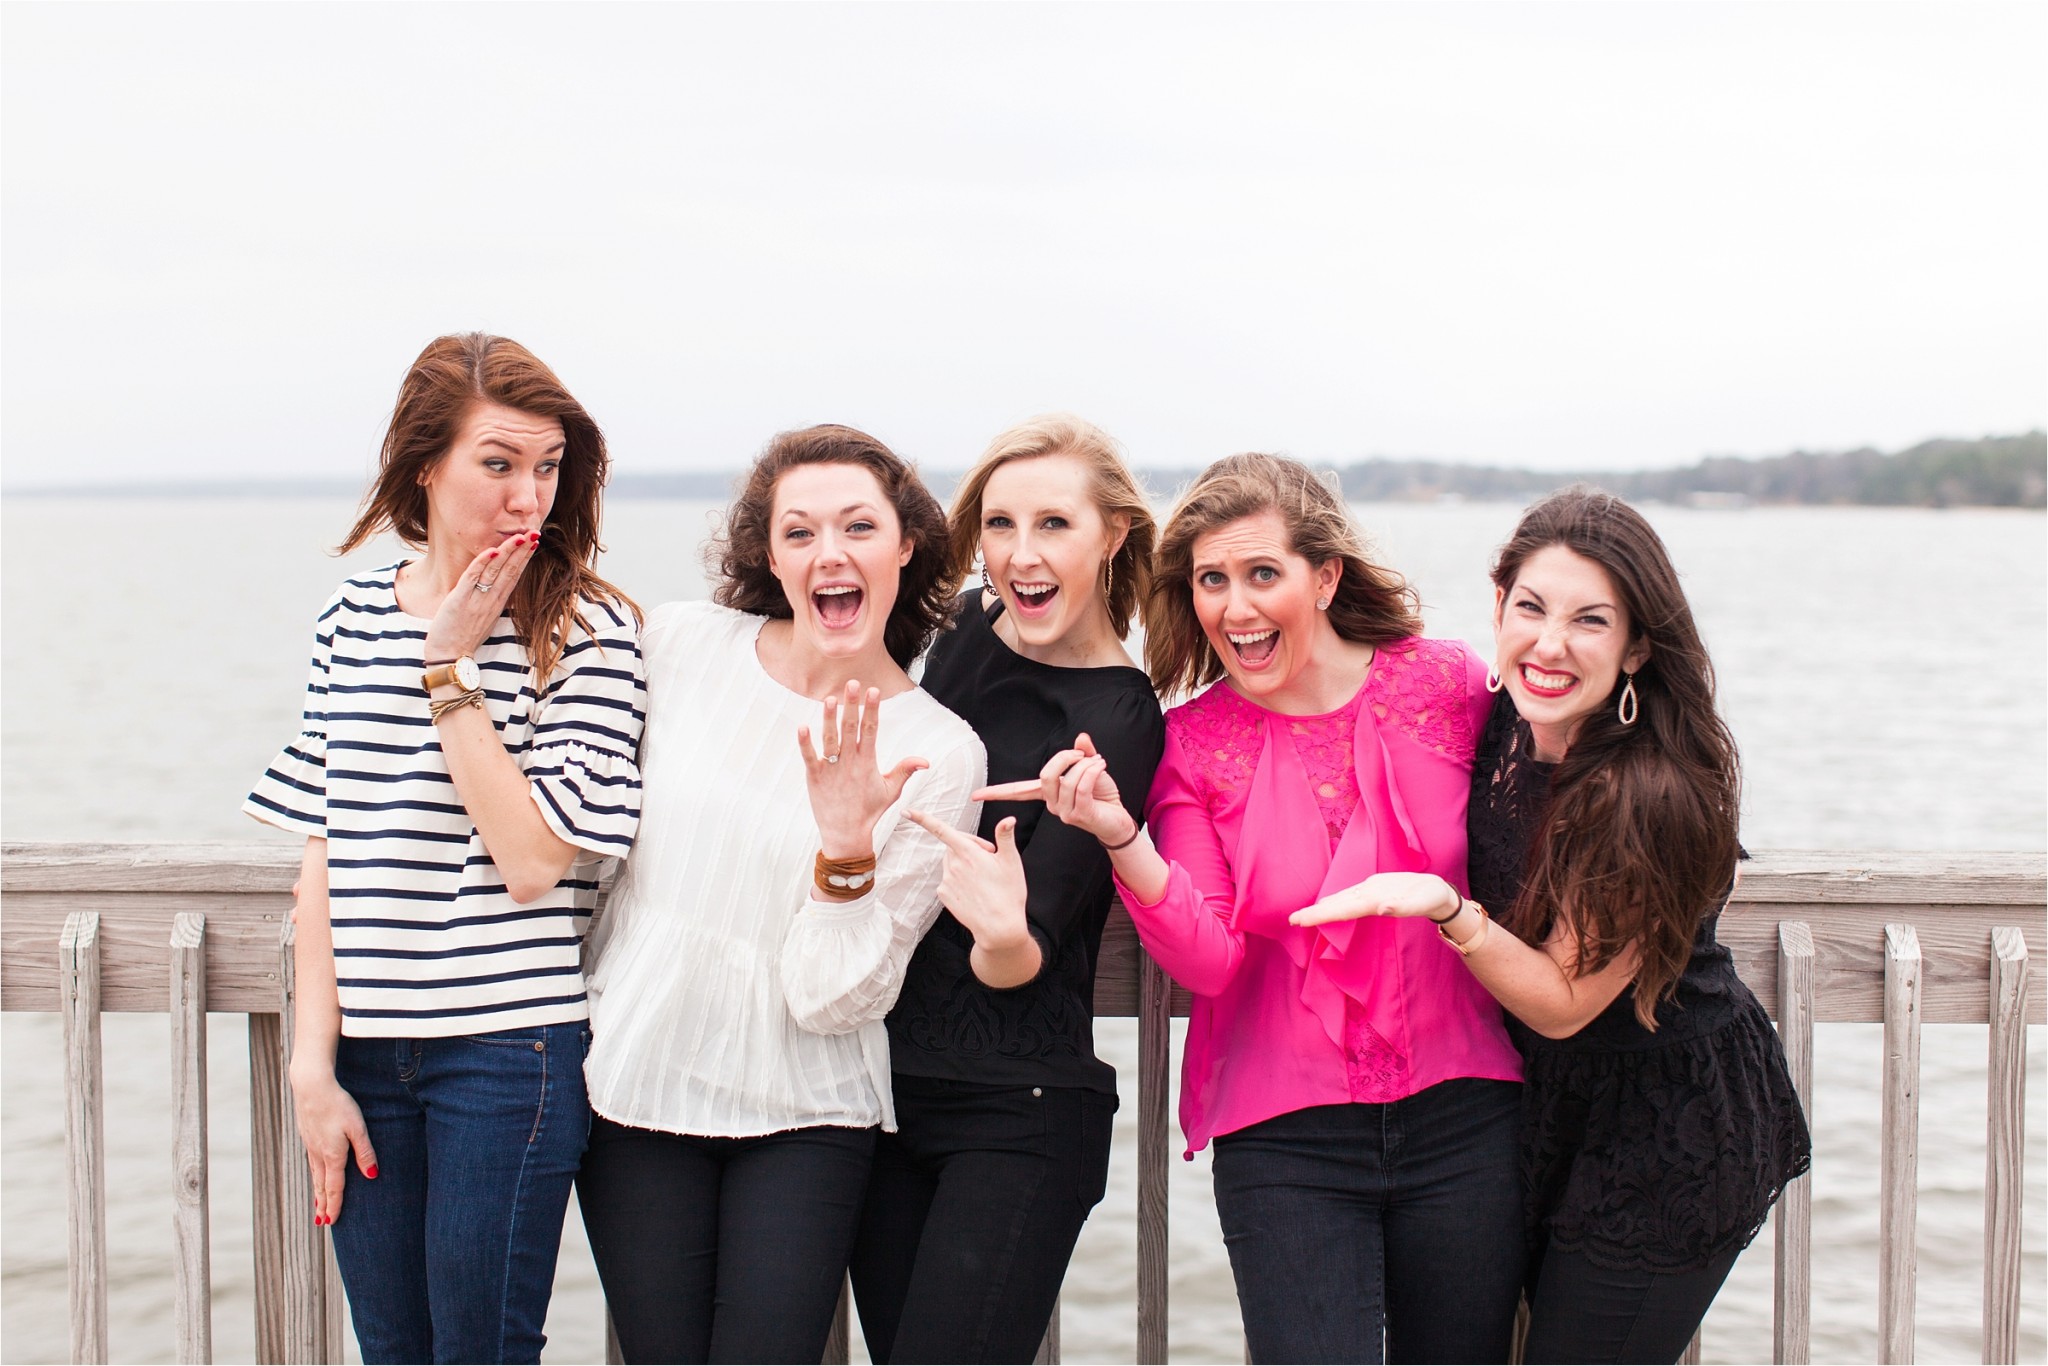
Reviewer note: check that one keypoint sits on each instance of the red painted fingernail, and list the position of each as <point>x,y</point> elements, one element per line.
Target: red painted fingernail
<point>371,1172</point>
<point>492,556</point>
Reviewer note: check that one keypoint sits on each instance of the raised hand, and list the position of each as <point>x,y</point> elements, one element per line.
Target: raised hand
<point>1075,786</point>
<point>1383,894</point>
<point>479,597</point>
<point>849,792</point>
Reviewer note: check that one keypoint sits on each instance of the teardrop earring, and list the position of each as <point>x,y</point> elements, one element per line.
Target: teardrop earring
<point>1492,678</point>
<point>1628,708</point>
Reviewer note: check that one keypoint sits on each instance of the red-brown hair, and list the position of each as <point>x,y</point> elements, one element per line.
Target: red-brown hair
<point>452,376</point>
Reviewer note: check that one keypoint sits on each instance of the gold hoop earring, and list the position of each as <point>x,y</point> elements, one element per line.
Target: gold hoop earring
<point>1492,678</point>
<point>1628,708</point>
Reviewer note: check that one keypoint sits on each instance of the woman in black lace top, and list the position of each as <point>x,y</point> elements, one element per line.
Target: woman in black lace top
<point>1659,1121</point>
<point>1003,1109</point>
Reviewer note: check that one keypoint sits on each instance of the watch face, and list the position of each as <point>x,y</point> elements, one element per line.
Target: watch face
<point>467,673</point>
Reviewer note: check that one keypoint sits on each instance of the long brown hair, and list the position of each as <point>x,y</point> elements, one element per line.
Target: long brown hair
<point>737,557</point>
<point>452,376</point>
<point>1372,604</point>
<point>1638,841</point>
<point>1111,484</point>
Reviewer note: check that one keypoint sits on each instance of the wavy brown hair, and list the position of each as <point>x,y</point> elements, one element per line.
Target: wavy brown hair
<point>447,381</point>
<point>1638,841</point>
<point>1372,604</point>
<point>1111,484</point>
<point>737,557</point>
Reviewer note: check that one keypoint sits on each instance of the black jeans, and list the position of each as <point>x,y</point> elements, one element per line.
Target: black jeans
<point>1378,1232</point>
<point>971,1217</point>
<point>1581,1311</point>
<point>722,1249</point>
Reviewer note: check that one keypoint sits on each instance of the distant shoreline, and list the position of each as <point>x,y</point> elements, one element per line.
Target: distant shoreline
<point>1992,471</point>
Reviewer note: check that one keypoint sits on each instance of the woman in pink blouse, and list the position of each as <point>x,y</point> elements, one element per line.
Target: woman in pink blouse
<point>1359,1085</point>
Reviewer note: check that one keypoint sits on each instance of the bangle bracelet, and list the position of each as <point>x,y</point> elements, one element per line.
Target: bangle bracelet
<point>1136,830</point>
<point>1478,935</point>
<point>1441,920</point>
<point>438,709</point>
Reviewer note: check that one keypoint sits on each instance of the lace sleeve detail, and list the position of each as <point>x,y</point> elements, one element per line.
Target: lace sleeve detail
<point>1220,736</point>
<point>1423,688</point>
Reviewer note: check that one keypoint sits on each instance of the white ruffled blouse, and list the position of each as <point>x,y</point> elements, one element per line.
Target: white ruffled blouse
<point>725,999</point>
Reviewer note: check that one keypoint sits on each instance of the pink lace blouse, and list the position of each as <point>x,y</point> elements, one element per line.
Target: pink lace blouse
<point>1259,814</point>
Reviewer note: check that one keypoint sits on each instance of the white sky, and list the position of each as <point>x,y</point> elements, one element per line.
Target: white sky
<point>1596,235</point>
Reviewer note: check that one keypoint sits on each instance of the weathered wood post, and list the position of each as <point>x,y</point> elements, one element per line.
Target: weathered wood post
<point>1792,1309</point>
<point>2005,1145</point>
<point>78,972</point>
<point>305,1245</point>
<point>1899,1161</point>
<point>1155,1035</point>
<point>190,1230</point>
<point>266,1174</point>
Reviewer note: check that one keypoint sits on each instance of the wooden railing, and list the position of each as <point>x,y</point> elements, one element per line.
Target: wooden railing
<point>1906,939</point>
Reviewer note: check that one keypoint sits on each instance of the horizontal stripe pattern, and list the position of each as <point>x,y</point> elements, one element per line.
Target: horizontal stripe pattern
<point>427,941</point>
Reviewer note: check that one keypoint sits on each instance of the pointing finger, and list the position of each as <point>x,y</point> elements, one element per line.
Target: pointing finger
<point>1030,790</point>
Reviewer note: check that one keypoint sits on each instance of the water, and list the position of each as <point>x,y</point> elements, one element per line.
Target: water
<point>1881,669</point>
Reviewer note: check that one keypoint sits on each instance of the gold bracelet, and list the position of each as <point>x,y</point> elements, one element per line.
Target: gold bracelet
<point>843,879</point>
<point>1478,935</point>
<point>473,698</point>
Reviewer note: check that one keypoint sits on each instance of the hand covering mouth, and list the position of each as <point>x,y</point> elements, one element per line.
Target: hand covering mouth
<point>838,604</point>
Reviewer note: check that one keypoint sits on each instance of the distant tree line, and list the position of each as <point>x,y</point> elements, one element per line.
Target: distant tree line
<point>1993,471</point>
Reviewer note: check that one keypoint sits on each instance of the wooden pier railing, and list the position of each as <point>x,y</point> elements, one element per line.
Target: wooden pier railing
<point>1903,939</point>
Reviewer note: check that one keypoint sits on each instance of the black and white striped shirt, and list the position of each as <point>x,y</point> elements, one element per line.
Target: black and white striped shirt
<point>427,941</point>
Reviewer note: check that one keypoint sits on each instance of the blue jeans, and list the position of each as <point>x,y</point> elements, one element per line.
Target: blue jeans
<point>449,1255</point>
<point>1378,1232</point>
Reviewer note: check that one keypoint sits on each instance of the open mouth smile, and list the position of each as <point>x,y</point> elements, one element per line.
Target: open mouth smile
<point>1034,598</point>
<point>1253,648</point>
<point>837,604</point>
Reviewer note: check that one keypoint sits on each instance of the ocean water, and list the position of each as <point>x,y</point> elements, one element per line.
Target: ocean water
<point>1881,669</point>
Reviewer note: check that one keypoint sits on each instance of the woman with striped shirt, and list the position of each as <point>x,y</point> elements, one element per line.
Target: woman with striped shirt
<point>468,757</point>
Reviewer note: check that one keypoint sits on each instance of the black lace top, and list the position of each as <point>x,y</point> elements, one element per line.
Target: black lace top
<point>1641,1150</point>
<point>948,1023</point>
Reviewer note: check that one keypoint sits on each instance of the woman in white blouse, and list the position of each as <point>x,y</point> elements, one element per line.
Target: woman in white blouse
<point>759,933</point>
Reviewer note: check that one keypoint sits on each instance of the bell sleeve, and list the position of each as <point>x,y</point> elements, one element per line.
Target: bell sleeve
<point>292,793</point>
<point>843,961</point>
<point>582,767</point>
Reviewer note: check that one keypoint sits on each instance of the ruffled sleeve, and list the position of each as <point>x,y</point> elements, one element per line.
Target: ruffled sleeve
<point>292,793</point>
<point>843,961</point>
<point>582,767</point>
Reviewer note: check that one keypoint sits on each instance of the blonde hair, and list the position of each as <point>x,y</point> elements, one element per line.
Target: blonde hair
<point>1111,484</point>
<point>1372,604</point>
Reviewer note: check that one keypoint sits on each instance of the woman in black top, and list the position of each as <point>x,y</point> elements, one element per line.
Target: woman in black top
<point>1003,1109</point>
<point>1659,1121</point>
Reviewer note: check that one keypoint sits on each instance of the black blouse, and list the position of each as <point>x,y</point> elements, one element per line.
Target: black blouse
<point>1643,1150</point>
<point>948,1023</point>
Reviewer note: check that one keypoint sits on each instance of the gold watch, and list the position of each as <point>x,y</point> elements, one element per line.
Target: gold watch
<point>463,673</point>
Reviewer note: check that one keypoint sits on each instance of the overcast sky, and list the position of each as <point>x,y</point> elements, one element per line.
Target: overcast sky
<point>1603,236</point>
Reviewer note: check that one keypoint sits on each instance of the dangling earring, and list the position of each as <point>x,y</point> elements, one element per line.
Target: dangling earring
<point>1109,579</point>
<point>985,579</point>
<point>1627,710</point>
<point>1492,678</point>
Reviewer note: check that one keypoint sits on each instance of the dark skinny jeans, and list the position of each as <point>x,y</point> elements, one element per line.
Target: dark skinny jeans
<point>1375,1233</point>
<point>722,1249</point>
<point>972,1214</point>
<point>1582,1311</point>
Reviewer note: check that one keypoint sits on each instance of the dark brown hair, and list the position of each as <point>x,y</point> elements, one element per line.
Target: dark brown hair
<point>452,376</point>
<point>1111,484</point>
<point>1373,604</point>
<point>1638,841</point>
<point>737,557</point>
